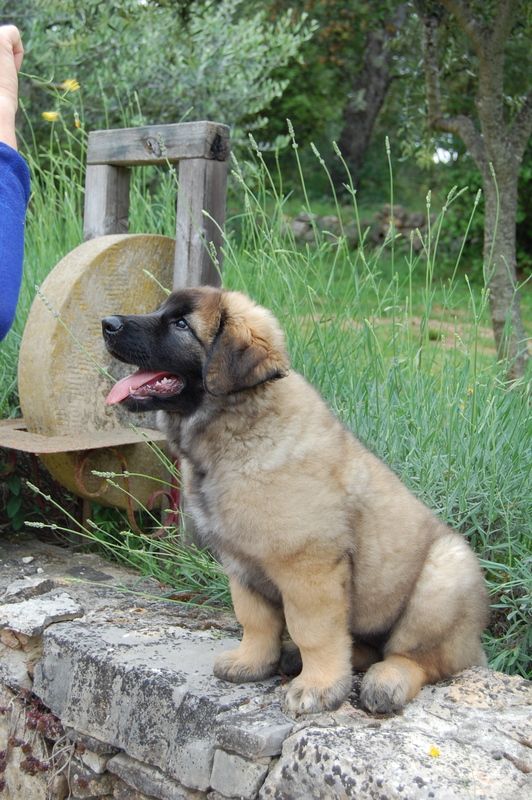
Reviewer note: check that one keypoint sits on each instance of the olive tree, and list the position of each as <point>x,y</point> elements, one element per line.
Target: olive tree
<point>160,60</point>
<point>495,131</point>
<point>369,82</point>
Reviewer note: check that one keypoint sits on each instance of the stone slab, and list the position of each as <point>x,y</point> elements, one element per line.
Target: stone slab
<point>149,780</point>
<point>124,792</point>
<point>94,761</point>
<point>234,776</point>
<point>469,738</point>
<point>86,784</point>
<point>31,617</point>
<point>135,675</point>
<point>88,743</point>
<point>109,592</point>
<point>30,586</point>
<point>21,784</point>
<point>255,734</point>
<point>148,690</point>
<point>15,668</point>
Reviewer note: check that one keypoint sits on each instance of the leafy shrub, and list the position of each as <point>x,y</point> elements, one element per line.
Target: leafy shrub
<point>171,61</point>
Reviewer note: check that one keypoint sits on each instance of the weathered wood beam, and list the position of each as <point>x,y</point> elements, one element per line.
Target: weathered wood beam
<point>158,144</point>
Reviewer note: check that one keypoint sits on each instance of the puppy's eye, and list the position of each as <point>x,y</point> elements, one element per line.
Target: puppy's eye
<point>180,323</point>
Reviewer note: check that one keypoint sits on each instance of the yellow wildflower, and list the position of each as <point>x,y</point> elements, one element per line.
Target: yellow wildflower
<point>77,121</point>
<point>434,751</point>
<point>50,116</point>
<point>70,85</point>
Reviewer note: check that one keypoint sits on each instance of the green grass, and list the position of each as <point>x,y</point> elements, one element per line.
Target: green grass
<point>404,358</point>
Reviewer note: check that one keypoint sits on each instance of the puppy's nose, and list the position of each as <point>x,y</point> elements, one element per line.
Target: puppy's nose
<point>112,325</point>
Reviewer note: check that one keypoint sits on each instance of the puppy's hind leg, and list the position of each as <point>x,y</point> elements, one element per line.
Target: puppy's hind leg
<point>438,633</point>
<point>259,651</point>
<point>388,685</point>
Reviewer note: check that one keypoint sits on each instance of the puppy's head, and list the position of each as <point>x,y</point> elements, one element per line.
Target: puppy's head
<point>200,342</point>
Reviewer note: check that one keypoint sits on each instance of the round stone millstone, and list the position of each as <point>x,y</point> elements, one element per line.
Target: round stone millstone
<point>62,387</point>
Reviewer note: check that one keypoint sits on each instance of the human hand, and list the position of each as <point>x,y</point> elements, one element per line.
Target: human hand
<point>11,55</point>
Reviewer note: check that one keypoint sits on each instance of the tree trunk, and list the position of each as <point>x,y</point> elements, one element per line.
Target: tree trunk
<point>366,97</point>
<point>498,145</point>
<point>501,269</point>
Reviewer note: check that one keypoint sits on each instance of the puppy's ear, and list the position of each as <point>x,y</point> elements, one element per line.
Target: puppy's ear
<point>244,355</point>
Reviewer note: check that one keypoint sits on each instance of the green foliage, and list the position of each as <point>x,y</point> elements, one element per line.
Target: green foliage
<point>524,210</point>
<point>172,61</point>
<point>318,82</point>
<point>13,502</point>
<point>463,171</point>
<point>321,82</point>
<point>192,575</point>
<point>458,76</point>
<point>253,65</point>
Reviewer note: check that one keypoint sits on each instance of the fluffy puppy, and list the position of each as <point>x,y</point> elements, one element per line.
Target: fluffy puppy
<point>316,534</point>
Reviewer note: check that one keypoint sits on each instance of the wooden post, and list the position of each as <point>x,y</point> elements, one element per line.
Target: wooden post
<point>200,215</point>
<point>106,200</point>
<point>202,150</point>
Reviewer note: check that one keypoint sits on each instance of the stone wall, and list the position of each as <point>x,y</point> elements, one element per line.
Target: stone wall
<point>107,692</point>
<point>311,228</point>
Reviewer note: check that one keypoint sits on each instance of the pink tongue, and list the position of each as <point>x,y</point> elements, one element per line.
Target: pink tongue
<point>122,389</point>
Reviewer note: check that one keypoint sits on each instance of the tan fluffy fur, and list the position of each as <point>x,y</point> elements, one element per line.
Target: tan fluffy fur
<point>315,532</point>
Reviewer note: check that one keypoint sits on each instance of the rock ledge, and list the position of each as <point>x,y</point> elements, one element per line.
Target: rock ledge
<point>109,694</point>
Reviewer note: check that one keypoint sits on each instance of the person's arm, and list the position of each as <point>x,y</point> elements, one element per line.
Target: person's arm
<point>14,179</point>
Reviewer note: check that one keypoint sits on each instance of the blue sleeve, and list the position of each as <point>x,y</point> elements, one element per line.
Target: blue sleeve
<point>14,196</point>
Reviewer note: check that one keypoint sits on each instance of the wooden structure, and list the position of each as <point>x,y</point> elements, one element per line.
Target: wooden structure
<point>201,150</point>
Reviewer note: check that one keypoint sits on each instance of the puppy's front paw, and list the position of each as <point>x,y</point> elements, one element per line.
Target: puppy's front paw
<point>384,689</point>
<point>302,697</point>
<point>231,666</point>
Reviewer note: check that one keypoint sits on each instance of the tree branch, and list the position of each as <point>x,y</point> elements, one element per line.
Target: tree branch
<point>460,125</point>
<point>472,27</point>
<point>464,127</point>
<point>488,44</point>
